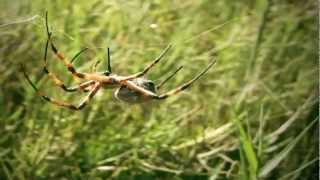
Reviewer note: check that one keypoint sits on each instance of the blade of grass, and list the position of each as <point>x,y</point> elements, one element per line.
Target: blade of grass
<point>274,136</point>
<point>277,159</point>
<point>246,146</point>
<point>302,167</point>
<point>255,50</point>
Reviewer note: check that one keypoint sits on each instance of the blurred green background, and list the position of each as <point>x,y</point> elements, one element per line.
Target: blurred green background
<point>253,116</point>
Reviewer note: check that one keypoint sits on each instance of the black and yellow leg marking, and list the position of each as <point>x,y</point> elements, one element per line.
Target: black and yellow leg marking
<point>60,84</point>
<point>146,69</point>
<point>55,79</point>
<point>60,56</point>
<point>169,77</point>
<point>82,104</point>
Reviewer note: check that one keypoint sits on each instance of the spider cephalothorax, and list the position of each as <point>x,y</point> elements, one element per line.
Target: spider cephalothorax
<point>133,88</point>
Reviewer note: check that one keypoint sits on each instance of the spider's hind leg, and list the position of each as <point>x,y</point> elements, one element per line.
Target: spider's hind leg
<point>184,86</point>
<point>169,77</point>
<point>147,94</point>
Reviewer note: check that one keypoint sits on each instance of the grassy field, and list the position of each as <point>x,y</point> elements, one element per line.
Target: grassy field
<point>254,115</point>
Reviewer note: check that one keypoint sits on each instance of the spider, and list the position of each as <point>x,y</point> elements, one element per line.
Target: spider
<point>132,89</point>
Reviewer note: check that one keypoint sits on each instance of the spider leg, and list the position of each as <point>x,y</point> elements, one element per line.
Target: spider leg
<point>60,56</point>
<point>78,54</point>
<point>147,93</point>
<point>146,69</point>
<point>95,65</point>
<point>185,85</point>
<point>82,104</point>
<point>83,86</point>
<point>109,59</point>
<point>169,77</point>
<point>56,80</point>
<point>60,84</point>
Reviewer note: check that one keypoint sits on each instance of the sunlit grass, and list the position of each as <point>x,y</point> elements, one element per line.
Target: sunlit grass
<point>253,115</point>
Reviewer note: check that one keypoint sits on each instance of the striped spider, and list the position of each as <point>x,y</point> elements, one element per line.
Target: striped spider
<point>133,88</point>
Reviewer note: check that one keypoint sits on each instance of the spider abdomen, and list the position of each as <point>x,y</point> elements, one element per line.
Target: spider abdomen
<point>131,96</point>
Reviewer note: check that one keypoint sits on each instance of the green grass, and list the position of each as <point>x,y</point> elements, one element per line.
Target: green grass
<point>253,116</point>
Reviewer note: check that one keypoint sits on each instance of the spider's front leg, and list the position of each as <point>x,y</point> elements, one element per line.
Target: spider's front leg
<point>60,56</point>
<point>52,76</point>
<point>81,87</point>
<point>57,81</point>
<point>82,104</point>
